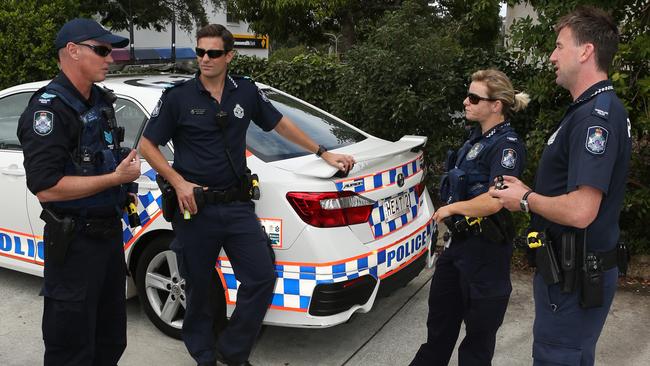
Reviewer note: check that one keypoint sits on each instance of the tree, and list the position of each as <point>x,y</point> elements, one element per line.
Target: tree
<point>156,14</point>
<point>307,21</point>
<point>27,32</point>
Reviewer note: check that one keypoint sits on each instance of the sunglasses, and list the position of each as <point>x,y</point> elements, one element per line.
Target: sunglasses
<point>200,52</point>
<point>99,50</point>
<point>475,99</point>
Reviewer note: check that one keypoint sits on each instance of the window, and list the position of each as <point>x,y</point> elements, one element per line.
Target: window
<point>11,107</point>
<point>325,130</point>
<point>132,118</point>
<point>231,13</point>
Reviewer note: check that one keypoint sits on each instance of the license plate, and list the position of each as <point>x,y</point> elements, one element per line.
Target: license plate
<point>397,206</point>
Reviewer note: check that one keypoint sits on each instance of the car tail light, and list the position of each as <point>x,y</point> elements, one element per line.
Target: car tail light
<point>419,188</point>
<point>331,209</point>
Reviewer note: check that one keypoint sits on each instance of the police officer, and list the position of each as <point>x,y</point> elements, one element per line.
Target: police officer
<point>579,189</point>
<point>207,118</point>
<point>74,167</point>
<point>471,283</point>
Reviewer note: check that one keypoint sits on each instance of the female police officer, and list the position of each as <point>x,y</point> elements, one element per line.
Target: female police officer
<point>472,278</point>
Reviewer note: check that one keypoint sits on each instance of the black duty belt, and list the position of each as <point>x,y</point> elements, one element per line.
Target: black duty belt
<point>222,196</point>
<point>608,260</point>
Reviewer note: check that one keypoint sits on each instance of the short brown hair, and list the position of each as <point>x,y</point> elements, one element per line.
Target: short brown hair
<point>595,26</point>
<point>217,30</point>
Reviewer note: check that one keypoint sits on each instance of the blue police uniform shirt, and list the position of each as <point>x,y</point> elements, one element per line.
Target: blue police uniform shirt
<point>186,114</point>
<point>48,131</point>
<point>497,151</point>
<point>590,146</point>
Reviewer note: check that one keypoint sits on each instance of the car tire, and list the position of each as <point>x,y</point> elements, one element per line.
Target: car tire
<point>161,290</point>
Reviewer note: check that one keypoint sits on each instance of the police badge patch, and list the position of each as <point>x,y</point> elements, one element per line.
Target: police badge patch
<point>43,122</point>
<point>596,139</point>
<point>238,111</point>
<point>474,151</point>
<point>509,158</point>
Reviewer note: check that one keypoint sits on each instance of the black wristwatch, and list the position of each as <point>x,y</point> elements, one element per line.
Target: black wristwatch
<point>321,150</point>
<point>523,204</point>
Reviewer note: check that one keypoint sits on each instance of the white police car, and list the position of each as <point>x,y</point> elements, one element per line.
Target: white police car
<point>339,241</point>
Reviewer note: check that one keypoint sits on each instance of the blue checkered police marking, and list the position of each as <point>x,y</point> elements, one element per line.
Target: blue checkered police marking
<point>148,206</point>
<point>295,283</point>
<point>380,179</point>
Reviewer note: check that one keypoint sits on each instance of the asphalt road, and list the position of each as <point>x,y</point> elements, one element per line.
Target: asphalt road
<point>388,335</point>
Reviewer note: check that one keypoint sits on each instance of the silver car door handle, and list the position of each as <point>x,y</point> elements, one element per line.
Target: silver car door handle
<point>147,184</point>
<point>13,171</point>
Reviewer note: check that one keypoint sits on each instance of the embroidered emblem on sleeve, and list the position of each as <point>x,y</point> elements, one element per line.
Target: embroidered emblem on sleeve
<point>474,151</point>
<point>43,122</point>
<point>596,139</point>
<point>509,158</point>
<point>238,111</point>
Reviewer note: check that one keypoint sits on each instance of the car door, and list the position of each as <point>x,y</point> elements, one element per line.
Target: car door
<point>20,249</point>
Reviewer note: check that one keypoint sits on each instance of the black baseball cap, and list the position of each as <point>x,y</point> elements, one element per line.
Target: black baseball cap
<point>82,29</point>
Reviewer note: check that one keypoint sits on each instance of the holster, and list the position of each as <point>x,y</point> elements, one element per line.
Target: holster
<point>59,232</point>
<point>546,262</point>
<point>569,254</point>
<point>169,200</point>
<point>592,292</point>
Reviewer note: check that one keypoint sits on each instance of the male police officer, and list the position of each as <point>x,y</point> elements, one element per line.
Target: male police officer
<point>207,118</point>
<point>578,195</point>
<point>74,167</point>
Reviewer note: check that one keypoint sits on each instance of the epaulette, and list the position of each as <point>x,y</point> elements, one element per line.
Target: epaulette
<point>173,84</point>
<point>601,105</point>
<point>44,97</point>
<point>109,95</point>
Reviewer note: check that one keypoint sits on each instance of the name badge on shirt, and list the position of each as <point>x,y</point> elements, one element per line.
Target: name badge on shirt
<point>198,112</point>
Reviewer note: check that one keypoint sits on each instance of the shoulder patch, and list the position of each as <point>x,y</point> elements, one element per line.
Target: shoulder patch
<point>474,151</point>
<point>156,110</point>
<point>169,86</point>
<point>263,95</point>
<point>601,105</point>
<point>596,139</point>
<point>553,136</point>
<point>43,122</point>
<point>508,158</point>
<point>46,98</point>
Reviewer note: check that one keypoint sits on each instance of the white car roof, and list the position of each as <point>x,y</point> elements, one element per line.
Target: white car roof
<point>145,88</point>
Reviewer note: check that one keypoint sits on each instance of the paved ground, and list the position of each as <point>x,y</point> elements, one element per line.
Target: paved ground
<point>388,335</point>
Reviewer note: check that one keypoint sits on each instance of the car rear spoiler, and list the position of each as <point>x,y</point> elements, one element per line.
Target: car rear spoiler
<point>320,168</point>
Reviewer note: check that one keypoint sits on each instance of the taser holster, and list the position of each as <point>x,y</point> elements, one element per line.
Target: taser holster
<point>545,259</point>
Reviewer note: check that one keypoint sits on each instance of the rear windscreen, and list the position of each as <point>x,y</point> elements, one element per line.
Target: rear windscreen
<point>324,130</point>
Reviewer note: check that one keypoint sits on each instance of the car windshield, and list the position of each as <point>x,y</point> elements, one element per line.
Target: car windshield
<point>325,130</point>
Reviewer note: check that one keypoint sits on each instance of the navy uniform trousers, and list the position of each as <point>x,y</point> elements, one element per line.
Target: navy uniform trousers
<point>235,227</point>
<point>465,274</point>
<point>564,333</point>
<point>84,319</point>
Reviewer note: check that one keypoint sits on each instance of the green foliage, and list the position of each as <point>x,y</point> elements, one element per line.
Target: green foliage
<point>27,32</point>
<point>311,77</point>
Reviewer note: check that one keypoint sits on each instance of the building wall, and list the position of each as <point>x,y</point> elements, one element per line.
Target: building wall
<point>147,38</point>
